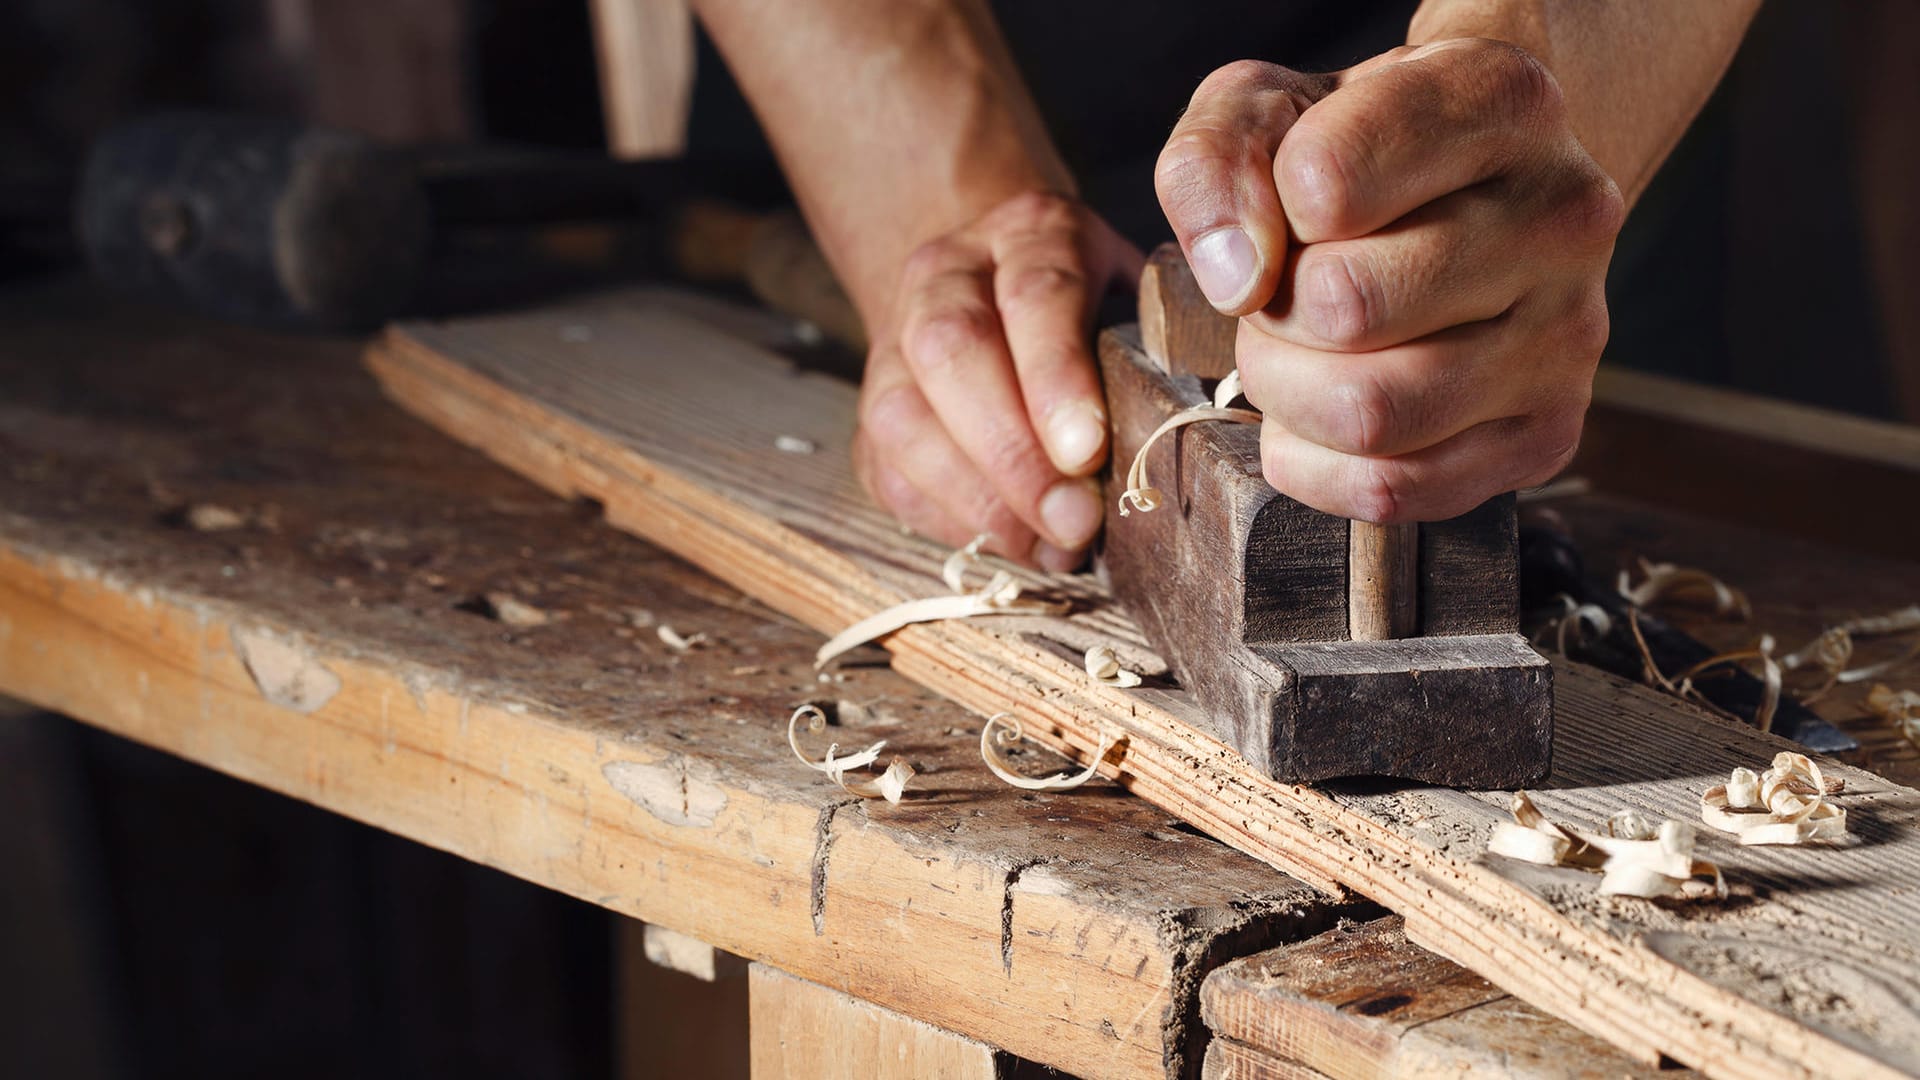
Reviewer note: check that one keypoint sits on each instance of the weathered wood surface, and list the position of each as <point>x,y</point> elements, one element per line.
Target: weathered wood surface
<point>1362,1002</point>
<point>1809,970</point>
<point>804,1031</point>
<point>226,545</point>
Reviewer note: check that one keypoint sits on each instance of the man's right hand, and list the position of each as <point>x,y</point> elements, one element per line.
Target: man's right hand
<point>981,409</point>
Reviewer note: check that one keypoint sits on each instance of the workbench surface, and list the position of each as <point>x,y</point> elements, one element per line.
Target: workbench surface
<point>208,535</point>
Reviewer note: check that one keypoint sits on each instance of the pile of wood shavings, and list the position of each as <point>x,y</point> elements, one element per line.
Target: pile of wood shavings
<point>1635,857</point>
<point>1784,805</point>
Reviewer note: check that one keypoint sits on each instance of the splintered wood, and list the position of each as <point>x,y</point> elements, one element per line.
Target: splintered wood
<point>1809,969</point>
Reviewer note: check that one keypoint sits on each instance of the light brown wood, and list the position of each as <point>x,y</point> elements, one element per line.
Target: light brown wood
<point>804,1031</point>
<point>646,56</point>
<point>581,753</point>
<point>1383,580</point>
<point>635,420</point>
<point>1361,1001</point>
<point>1230,1060</point>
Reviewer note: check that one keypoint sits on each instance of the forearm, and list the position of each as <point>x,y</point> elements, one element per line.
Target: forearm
<point>1634,72</point>
<point>895,120</point>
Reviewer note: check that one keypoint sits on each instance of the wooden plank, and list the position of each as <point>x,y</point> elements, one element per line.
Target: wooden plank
<point>1229,1060</point>
<point>1775,465</point>
<point>1361,1002</point>
<point>804,1031</point>
<point>646,56</point>
<point>340,634</point>
<point>668,424</point>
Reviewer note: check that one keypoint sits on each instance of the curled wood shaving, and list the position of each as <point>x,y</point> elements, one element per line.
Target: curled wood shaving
<point>1901,708</point>
<point>673,640</point>
<point>1635,857</point>
<point>1893,622</point>
<point>1784,805</point>
<point>1228,389</point>
<point>954,570</point>
<point>1002,729</point>
<point>1668,583</point>
<point>1103,665</point>
<point>1143,496</point>
<point>1577,621</point>
<point>889,785</point>
<point>999,596</point>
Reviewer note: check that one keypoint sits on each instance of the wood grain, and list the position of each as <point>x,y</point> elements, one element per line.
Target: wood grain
<point>1361,1001</point>
<point>580,753</point>
<point>1383,580</point>
<point>1809,971</point>
<point>804,1031</point>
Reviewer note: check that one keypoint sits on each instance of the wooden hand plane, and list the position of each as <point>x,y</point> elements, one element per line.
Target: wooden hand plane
<point>1321,647</point>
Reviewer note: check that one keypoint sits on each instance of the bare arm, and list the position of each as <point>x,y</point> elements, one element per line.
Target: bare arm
<point>923,167</point>
<point>1635,72</point>
<point>896,121</point>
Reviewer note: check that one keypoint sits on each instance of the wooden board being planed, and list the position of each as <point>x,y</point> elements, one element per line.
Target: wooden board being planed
<point>1808,971</point>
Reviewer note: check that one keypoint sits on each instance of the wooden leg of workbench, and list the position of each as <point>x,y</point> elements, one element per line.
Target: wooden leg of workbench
<point>670,1024</point>
<point>805,1031</point>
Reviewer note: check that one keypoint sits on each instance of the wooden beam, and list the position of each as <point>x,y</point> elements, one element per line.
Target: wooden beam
<point>1363,1001</point>
<point>804,1031</point>
<point>670,426</point>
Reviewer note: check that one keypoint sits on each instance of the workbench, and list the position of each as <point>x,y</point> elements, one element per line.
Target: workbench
<point>227,545</point>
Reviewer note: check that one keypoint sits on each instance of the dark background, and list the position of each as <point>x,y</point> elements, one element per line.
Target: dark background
<point>214,930</point>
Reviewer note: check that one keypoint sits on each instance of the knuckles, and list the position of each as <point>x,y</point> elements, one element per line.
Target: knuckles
<point>894,418</point>
<point>1036,211</point>
<point>1340,298</point>
<point>934,341</point>
<point>1317,175</point>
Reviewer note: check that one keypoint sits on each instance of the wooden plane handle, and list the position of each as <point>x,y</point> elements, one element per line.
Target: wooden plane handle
<point>1183,333</point>
<point>1383,581</point>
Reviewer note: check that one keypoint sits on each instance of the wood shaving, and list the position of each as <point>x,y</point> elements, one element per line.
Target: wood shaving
<point>1103,666</point>
<point>1784,805</point>
<point>1578,621</point>
<point>516,612</point>
<point>212,517</point>
<point>1635,857</point>
<point>954,570</point>
<point>1901,708</point>
<point>1893,622</point>
<point>1143,496</point>
<point>999,596</point>
<point>1667,583</point>
<point>1228,389</point>
<point>673,640</point>
<point>793,444</point>
<point>1003,730</point>
<point>889,785</point>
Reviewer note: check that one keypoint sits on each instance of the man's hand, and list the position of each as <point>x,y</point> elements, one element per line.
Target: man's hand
<point>1418,248</point>
<point>981,410</point>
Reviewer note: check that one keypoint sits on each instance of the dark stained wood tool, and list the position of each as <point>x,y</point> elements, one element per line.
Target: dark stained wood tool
<point>1322,647</point>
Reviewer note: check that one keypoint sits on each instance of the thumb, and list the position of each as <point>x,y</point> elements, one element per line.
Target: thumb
<point>1216,185</point>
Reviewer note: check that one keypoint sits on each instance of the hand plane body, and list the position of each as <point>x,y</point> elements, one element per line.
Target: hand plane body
<point>1246,593</point>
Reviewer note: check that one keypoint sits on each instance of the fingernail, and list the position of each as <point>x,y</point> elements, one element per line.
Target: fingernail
<point>1057,560</point>
<point>1076,431</point>
<point>1071,512</point>
<point>1224,263</point>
